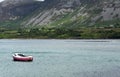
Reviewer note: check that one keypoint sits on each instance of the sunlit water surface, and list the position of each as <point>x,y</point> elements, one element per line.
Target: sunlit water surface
<point>61,58</point>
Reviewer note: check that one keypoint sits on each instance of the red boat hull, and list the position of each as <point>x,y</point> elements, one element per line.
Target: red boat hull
<point>22,58</point>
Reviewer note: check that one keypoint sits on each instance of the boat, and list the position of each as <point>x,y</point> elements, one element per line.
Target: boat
<point>22,57</point>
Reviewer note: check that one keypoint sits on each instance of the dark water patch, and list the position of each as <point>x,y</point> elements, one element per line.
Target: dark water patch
<point>88,41</point>
<point>74,41</point>
<point>97,41</point>
<point>113,60</point>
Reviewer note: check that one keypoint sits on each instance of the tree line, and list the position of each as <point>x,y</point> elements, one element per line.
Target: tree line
<point>62,33</point>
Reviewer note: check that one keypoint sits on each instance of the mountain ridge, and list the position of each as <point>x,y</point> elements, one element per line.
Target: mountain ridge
<point>60,13</point>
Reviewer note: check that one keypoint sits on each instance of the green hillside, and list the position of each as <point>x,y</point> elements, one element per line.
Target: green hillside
<point>96,19</point>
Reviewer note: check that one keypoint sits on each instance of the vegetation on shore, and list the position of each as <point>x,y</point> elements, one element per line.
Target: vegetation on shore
<point>61,33</point>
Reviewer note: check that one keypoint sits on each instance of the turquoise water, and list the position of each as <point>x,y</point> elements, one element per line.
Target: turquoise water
<point>61,58</point>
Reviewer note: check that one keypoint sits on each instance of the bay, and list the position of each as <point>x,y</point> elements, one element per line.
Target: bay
<point>61,58</point>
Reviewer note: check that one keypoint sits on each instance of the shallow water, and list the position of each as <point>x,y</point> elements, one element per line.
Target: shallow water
<point>61,58</point>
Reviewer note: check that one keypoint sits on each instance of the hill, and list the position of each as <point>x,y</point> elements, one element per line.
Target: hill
<point>65,13</point>
<point>60,19</point>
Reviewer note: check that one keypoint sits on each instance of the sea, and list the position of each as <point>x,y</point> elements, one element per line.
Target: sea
<point>61,58</point>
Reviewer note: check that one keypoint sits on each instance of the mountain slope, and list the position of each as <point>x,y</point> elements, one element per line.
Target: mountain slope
<point>59,13</point>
